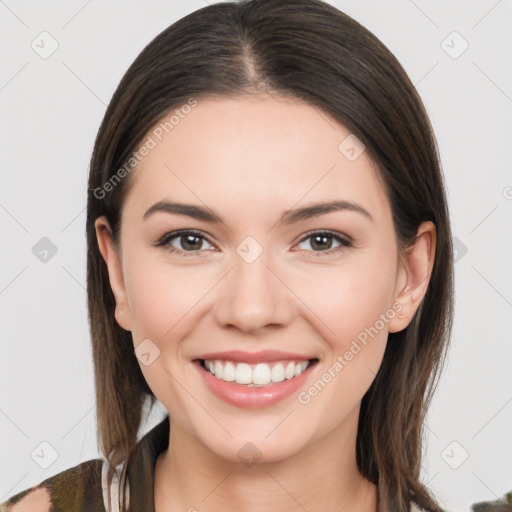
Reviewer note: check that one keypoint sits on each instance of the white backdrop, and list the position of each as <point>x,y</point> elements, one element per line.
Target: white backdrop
<point>60,65</point>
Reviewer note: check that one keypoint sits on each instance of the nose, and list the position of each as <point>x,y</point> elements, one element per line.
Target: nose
<point>253,296</point>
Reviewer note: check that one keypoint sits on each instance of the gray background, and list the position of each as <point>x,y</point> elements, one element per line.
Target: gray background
<point>51,110</point>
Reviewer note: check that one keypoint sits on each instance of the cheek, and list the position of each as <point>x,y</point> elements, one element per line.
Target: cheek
<point>349,299</point>
<point>343,299</point>
<point>352,306</point>
<point>161,302</point>
<point>156,302</point>
<point>163,298</point>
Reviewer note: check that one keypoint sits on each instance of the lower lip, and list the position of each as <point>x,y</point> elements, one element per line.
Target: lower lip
<point>240,395</point>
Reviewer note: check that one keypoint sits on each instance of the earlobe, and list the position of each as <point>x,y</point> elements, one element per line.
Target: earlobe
<point>115,271</point>
<point>417,264</point>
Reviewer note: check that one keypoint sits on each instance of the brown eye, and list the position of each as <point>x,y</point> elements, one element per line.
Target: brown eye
<point>322,242</point>
<point>183,241</point>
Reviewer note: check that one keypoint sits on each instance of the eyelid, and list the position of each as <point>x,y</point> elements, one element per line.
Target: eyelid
<point>334,234</point>
<point>167,237</point>
<point>344,239</point>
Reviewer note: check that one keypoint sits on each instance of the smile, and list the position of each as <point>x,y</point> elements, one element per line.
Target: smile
<point>261,374</point>
<point>254,381</point>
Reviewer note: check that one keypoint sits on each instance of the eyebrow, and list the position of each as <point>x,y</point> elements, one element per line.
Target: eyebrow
<point>289,217</point>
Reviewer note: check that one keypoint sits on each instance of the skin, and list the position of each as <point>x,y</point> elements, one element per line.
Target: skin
<point>250,158</point>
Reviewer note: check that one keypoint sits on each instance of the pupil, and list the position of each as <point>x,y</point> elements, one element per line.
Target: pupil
<point>323,239</point>
<point>190,245</point>
<point>317,245</point>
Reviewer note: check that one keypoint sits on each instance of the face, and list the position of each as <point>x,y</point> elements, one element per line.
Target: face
<point>259,292</point>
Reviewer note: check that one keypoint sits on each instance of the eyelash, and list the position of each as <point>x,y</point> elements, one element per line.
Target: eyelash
<point>166,239</point>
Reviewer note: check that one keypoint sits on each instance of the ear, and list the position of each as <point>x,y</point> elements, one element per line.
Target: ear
<point>115,271</point>
<point>414,276</point>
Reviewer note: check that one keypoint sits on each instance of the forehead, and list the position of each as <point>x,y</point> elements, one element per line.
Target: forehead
<point>247,153</point>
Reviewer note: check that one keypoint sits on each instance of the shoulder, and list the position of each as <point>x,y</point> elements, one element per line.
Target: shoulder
<point>502,504</point>
<point>75,489</point>
<point>35,499</point>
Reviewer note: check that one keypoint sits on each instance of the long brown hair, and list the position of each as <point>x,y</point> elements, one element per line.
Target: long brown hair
<point>309,50</point>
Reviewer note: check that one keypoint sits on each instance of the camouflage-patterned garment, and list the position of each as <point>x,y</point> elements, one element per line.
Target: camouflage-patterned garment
<point>84,488</point>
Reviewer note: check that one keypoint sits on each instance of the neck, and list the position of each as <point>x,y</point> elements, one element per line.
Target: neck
<point>322,476</point>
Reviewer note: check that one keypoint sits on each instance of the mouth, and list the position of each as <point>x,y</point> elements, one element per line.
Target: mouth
<point>254,384</point>
<point>255,375</point>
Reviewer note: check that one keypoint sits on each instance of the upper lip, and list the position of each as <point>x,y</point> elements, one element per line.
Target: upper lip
<point>265,356</point>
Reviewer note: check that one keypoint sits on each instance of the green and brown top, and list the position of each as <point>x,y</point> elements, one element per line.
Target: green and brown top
<point>84,488</point>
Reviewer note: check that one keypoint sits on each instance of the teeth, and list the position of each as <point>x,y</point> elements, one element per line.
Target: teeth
<point>243,373</point>
<point>229,372</point>
<point>278,373</point>
<point>289,372</point>
<point>218,369</point>
<point>260,374</point>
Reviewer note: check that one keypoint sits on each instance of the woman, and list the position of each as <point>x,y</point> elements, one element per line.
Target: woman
<point>269,257</point>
